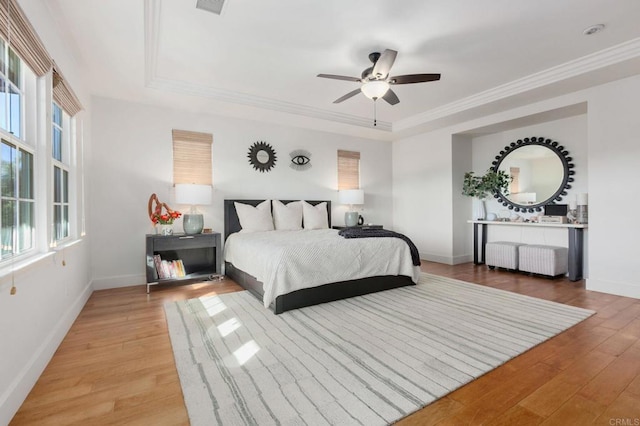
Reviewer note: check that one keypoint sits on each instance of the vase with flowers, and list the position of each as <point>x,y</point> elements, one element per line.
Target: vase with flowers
<point>481,187</point>
<point>162,215</point>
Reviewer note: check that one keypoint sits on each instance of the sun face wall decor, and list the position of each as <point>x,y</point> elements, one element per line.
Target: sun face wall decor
<point>262,156</point>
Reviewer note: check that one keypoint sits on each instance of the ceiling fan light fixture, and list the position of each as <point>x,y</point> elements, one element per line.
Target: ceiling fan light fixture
<point>375,89</point>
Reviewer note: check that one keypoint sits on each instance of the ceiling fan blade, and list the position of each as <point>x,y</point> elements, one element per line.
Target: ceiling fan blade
<point>340,77</point>
<point>391,97</point>
<point>347,96</point>
<point>413,78</point>
<point>384,63</point>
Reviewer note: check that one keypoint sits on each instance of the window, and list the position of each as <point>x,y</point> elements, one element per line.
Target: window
<point>192,157</point>
<point>17,204</point>
<point>60,148</point>
<point>348,169</point>
<point>10,91</point>
<point>514,186</point>
<point>32,149</point>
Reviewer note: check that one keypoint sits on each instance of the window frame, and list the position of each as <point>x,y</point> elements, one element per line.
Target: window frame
<point>17,198</point>
<point>12,87</point>
<point>63,203</point>
<point>20,143</point>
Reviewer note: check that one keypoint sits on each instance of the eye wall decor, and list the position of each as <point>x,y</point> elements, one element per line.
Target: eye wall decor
<point>300,159</point>
<point>541,172</point>
<point>262,156</point>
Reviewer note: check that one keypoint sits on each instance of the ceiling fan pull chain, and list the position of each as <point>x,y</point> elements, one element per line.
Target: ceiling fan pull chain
<point>374,113</point>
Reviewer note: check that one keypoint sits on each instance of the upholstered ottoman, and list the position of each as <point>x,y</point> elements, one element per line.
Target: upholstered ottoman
<point>502,254</point>
<point>545,260</point>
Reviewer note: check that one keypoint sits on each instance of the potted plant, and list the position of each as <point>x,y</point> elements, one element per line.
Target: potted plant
<point>481,187</point>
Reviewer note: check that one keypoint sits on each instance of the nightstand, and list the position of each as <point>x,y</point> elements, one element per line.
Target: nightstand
<point>183,257</point>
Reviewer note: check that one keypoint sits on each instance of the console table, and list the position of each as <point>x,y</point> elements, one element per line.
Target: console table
<point>576,242</point>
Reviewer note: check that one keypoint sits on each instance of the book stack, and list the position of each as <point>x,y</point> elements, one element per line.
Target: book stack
<point>168,269</point>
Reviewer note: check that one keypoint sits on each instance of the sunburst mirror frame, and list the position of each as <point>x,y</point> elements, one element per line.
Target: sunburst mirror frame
<point>255,150</point>
<point>567,166</point>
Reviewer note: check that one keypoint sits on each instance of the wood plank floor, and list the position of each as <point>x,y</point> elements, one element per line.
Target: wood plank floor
<point>115,366</point>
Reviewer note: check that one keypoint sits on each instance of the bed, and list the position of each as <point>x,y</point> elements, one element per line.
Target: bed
<point>284,241</point>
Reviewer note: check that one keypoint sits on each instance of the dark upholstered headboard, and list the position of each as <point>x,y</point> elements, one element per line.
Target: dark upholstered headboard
<point>232,223</point>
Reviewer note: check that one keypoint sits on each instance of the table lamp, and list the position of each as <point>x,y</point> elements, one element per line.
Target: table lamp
<point>194,195</point>
<point>351,197</point>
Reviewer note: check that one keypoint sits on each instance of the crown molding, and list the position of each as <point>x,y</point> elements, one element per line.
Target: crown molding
<point>589,63</point>
<point>597,60</point>
<point>152,28</point>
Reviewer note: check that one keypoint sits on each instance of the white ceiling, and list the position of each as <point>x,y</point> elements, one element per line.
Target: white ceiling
<point>260,59</point>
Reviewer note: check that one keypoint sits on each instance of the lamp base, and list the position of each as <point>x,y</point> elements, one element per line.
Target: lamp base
<point>193,223</point>
<point>351,218</point>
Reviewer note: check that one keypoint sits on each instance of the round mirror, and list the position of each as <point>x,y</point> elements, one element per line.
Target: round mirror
<point>262,156</point>
<point>540,170</point>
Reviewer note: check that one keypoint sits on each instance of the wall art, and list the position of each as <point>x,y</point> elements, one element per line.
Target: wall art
<point>300,159</point>
<point>262,156</point>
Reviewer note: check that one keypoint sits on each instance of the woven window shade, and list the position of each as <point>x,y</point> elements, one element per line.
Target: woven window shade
<point>24,39</point>
<point>64,95</point>
<point>192,157</point>
<point>348,169</point>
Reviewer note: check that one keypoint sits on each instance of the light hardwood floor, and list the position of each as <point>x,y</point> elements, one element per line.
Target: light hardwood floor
<point>115,366</point>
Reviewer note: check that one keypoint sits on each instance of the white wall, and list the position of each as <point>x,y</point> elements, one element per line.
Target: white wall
<point>614,173</point>
<point>49,295</point>
<point>132,150</point>
<point>422,193</point>
<point>605,155</point>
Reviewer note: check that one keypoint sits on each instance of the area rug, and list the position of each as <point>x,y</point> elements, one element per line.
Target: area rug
<point>368,360</point>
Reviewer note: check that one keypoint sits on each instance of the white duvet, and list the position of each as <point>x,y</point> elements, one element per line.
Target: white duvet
<point>285,261</point>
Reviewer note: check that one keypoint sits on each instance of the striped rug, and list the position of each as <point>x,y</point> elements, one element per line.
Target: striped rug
<point>369,360</point>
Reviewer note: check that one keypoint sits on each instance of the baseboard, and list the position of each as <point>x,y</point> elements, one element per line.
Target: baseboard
<point>465,258</point>
<point>119,281</point>
<point>18,390</point>
<point>620,289</point>
<point>447,260</point>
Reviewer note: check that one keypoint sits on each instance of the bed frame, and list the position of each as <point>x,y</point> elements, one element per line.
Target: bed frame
<point>308,296</point>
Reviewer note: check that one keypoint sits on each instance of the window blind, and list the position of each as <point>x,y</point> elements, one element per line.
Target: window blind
<point>192,157</point>
<point>348,169</point>
<point>24,39</point>
<point>63,94</point>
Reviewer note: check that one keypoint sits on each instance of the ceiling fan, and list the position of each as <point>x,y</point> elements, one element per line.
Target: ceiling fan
<point>376,81</point>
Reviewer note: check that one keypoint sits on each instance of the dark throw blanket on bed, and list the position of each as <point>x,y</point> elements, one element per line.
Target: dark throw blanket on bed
<point>374,233</point>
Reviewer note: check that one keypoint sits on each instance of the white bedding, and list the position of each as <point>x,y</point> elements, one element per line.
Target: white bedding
<point>285,261</point>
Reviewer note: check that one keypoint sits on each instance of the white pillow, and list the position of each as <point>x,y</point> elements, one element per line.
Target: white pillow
<point>315,217</point>
<point>253,219</point>
<point>287,217</point>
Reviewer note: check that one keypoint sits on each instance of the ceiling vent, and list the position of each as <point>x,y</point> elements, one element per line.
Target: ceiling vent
<point>213,6</point>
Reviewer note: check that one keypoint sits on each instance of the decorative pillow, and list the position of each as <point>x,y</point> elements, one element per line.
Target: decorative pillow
<point>253,219</point>
<point>315,217</point>
<point>287,217</point>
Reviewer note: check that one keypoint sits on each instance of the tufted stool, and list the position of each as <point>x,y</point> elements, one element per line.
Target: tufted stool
<point>545,260</point>
<point>502,254</point>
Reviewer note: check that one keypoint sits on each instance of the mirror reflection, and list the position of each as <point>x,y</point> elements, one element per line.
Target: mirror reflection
<point>537,173</point>
<point>262,156</point>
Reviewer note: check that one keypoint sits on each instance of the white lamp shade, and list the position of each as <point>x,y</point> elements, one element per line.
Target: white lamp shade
<point>351,196</point>
<point>193,194</point>
<point>375,89</point>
